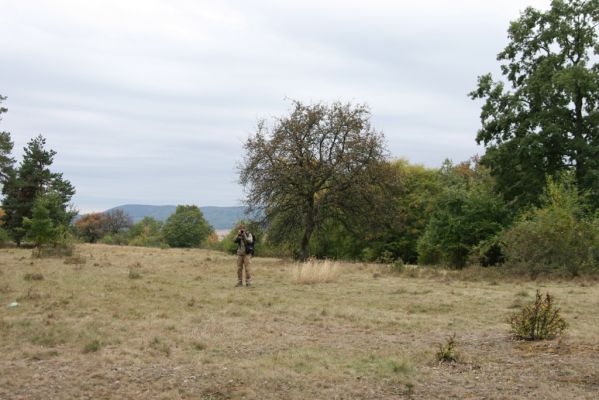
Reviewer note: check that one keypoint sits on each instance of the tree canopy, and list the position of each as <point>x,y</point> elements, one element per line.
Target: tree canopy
<point>186,227</point>
<point>543,117</point>
<point>33,178</point>
<point>319,163</point>
<point>6,146</point>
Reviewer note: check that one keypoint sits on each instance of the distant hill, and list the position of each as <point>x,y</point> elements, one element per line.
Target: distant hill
<point>219,217</point>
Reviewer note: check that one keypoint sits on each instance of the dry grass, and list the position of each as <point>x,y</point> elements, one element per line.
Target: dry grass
<point>316,271</point>
<point>182,331</point>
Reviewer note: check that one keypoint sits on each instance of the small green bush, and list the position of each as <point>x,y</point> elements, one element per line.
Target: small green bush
<point>447,351</point>
<point>557,238</point>
<point>398,266</point>
<point>118,239</point>
<point>538,321</point>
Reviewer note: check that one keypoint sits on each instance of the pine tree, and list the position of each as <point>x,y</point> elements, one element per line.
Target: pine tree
<point>40,229</point>
<point>30,180</point>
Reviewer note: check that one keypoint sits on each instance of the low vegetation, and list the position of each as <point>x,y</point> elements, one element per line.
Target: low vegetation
<point>447,351</point>
<point>316,271</point>
<point>540,320</point>
<point>183,330</point>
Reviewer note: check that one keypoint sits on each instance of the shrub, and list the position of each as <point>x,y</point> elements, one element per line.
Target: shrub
<point>114,239</point>
<point>386,257</point>
<point>447,351</point>
<point>466,214</point>
<point>538,321</point>
<point>4,237</point>
<point>92,346</point>
<point>33,276</point>
<point>557,237</point>
<point>314,271</point>
<point>398,266</point>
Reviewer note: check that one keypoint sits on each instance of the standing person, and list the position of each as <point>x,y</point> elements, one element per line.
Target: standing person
<point>245,242</point>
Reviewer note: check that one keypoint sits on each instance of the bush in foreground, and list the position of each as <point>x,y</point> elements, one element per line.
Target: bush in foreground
<point>556,238</point>
<point>538,321</point>
<point>447,351</point>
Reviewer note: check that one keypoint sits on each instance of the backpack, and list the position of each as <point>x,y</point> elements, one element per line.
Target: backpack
<point>249,247</point>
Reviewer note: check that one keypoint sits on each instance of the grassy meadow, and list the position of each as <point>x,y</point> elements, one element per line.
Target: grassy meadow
<point>142,323</point>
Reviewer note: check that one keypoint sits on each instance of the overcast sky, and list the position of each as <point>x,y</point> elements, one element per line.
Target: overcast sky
<point>149,101</point>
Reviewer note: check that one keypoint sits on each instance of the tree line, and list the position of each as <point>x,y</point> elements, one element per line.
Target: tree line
<point>36,201</point>
<point>186,227</point>
<point>324,184</point>
<point>323,181</point>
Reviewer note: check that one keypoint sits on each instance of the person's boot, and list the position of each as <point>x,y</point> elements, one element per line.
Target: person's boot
<point>239,284</point>
<point>248,284</point>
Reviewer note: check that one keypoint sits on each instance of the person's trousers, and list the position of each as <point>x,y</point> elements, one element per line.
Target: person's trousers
<point>244,261</point>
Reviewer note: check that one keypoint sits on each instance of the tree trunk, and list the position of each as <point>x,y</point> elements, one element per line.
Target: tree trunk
<point>579,142</point>
<point>308,229</point>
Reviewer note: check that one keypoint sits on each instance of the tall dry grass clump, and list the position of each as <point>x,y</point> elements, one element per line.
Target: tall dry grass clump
<point>316,271</point>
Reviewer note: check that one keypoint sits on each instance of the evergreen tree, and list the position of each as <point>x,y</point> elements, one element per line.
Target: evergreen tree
<point>6,145</point>
<point>39,227</point>
<point>31,179</point>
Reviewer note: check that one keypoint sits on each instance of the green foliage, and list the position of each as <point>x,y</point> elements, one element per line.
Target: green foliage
<point>6,146</point>
<point>538,321</point>
<point>4,237</point>
<point>545,121</point>
<point>398,266</point>
<point>186,227</point>
<point>467,213</point>
<point>333,240</point>
<point>420,190</point>
<point>30,180</point>
<point>447,351</point>
<point>93,346</point>
<point>119,239</point>
<point>321,163</point>
<point>262,247</point>
<point>40,229</point>
<point>558,238</point>
<point>146,233</point>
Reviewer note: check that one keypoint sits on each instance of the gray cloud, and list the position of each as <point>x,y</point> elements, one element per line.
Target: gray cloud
<point>150,101</point>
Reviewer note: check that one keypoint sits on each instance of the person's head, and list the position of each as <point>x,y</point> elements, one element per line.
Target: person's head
<point>241,228</point>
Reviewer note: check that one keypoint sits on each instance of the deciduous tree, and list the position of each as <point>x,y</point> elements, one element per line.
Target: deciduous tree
<point>544,117</point>
<point>186,227</point>
<point>117,221</point>
<point>319,163</point>
<point>91,227</point>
